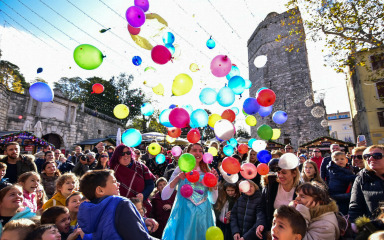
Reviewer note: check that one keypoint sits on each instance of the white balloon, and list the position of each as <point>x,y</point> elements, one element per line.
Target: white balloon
<point>244,186</point>
<point>288,161</point>
<point>260,61</point>
<point>224,129</point>
<point>232,178</point>
<point>259,145</point>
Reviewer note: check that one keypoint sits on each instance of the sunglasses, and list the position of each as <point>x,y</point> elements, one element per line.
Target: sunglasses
<point>126,153</point>
<point>104,156</point>
<point>376,156</point>
<point>357,157</point>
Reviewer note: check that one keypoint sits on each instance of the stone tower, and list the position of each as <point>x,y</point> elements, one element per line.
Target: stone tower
<point>287,74</point>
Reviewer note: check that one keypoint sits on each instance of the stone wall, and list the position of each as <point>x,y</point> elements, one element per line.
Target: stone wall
<point>4,105</point>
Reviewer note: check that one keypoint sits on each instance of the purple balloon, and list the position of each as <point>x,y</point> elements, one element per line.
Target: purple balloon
<point>186,191</point>
<point>143,4</point>
<point>265,111</point>
<point>135,16</point>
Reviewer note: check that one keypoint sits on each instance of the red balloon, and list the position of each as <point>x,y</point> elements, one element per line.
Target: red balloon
<point>262,169</point>
<point>229,115</point>
<point>231,165</point>
<point>248,171</point>
<point>266,97</point>
<point>193,135</point>
<point>243,148</point>
<point>179,117</point>
<point>209,180</point>
<point>133,30</point>
<point>193,176</point>
<point>97,88</point>
<point>174,132</point>
<point>160,54</point>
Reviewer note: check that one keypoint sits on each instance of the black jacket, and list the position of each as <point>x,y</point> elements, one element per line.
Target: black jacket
<point>26,164</point>
<point>66,166</point>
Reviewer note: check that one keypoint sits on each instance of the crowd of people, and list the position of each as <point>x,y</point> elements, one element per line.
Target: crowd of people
<point>123,193</point>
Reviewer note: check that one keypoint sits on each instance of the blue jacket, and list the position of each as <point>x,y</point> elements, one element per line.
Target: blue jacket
<point>26,213</point>
<point>339,179</point>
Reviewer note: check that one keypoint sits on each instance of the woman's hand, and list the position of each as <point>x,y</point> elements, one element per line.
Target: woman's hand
<point>236,236</point>
<point>140,196</point>
<point>181,176</point>
<point>311,204</point>
<point>167,207</point>
<point>259,231</point>
<point>228,215</point>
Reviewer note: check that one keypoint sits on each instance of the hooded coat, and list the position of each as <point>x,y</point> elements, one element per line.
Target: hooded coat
<point>25,164</point>
<point>26,213</point>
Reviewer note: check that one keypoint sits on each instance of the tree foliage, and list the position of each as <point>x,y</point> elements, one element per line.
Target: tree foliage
<point>148,124</point>
<point>241,132</point>
<point>11,77</point>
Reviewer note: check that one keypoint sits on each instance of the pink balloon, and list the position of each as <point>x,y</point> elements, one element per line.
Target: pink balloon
<point>133,30</point>
<point>207,158</point>
<point>143,4</point>
<point>244,186</point>
<point>176,151</point>
<point>179,117</point>
<point>186,191</point>
<point>248,171</point>
<point>135,16</point>
<point>221,65</point>
<point>160,54</point>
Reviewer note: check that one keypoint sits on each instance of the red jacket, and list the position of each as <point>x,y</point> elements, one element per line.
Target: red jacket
<point>318,161</point>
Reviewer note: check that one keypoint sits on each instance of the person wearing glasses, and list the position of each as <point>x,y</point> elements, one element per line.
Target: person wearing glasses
<point>357,159</point>
<point>136,180</point>
<point>323,168</point>
<point>103,161</point>
<point>87,162</point>
<point>368,188</point>
<point>289,149</point>
<point>316,157</point>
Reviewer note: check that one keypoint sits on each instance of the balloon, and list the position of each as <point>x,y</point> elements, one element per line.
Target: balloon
<point>259,145</point>
<point>97,88</point>
<point>174,132</point>
<point>171,48</point>
<point>221,65</point>
<point>160,54</point>
<point>251,106</point>
<point>288,161</point>
<point>170,139</point>
<point>237,84</point>
<point>208,96</point>
<point>235,71</point>
<point>264,156</point>
<point>177,53</point>
<point>121,111</point>
<point>39,70</point>
<point>229,115</point>
<point>172,106</point>
<point>232,142</point>
<point>87,56</point>
<point>248,84</point>
<point>187,162</point>
<point>135,16</point>
<point>214,233</point>
<point>207,157</point>
<point>266,97</point>
<point>262,169</point>
<point>199,118</point>
<point>209,179</point>
<point>243,148</point>
<point>193,176</point>
<point>265,111</point>
<point>159,89</point>
<point>213,118</point>
<point>154,149</point>
<point>41,92</point>
<point>276,134</point>
<point>251,141</point>
<point>211,43</point>
<point>225,97</point>
<point>160,158</point>
<point>262,88</point>
<point>260,61</point>
<point>151,78</point>
<point>244,186</point>
<point>235,110</point>
<point>228,150</point>
<point>248,171</point>
<point>143,4</point>
<point>231,165</point>
<point>194,67</point>
<point>179,117</point>
<point>245,114</point>
<point>230,178</point>
<point>164,118</point>
<point>147,109</point>
<point>186,191</point>
<point>176,151</point>
<point>280,117</point>
<point>188,107</point>
<point>136,60</point>
<point>224,129</point>
<point>131,137</point>
<point>133,30</point>
<point>168,38</point>
<point>193,135</point>
<point>265,132</point>
<point>182,84</point>
<point>250,120</point>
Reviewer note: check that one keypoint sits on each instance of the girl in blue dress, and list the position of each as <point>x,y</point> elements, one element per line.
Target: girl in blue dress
<point>190,217</point>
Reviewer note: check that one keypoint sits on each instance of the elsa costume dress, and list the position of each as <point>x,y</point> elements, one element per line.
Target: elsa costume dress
<point>190,217</point>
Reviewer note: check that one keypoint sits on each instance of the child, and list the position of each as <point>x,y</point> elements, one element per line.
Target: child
<point>49,175</point>
<point>41,198</point>
<point>45,232</point>
<point>288,224</point>
<point>247,214</point>
<point>30,182</point>
<point>73,204</point>
<point>341,178</point>
<point>18,229</point>
<point>139,206</point>
<point>228,194</point>
<point>107,215</point>
<point>310,173</point>
<point>65,185</point>
<point>4,181</point>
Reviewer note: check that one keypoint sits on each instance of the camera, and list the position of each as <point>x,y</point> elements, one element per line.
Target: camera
<point>84,158</point>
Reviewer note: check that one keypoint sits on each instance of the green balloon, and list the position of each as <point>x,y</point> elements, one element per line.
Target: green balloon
<point>245,114</point>
<point>187,162</point>
<point>265,132</point>
<point>214,233</point>
<point>87,56</point>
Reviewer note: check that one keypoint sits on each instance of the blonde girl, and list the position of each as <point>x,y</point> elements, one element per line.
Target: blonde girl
<point>65,186</point>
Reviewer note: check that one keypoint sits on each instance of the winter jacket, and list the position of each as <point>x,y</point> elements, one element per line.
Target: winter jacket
<point>49,184</point>
<point>159,214</point>
<point>4,182</point>
<point>247,215</point>
<point>25,164</point>
<point>169,170</point>
<point>30,200</point>
<point>25,213</point>
<point>80,168</point>
<point>66,166</point>
<point>318,161</point>
<point>339,179</point>
<point>57,200</point>
<point>321,221</point>
<point>323,169</point>
<point>367,192</point>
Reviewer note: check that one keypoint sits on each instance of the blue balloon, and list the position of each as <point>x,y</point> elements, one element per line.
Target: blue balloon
<point>39,70</point>
<point>168,38</point>
<point>280,117</point>
<point>265,111</point>
<point>235,71</point>
<point>147,109</point>
<point>232,142</point>
<point>136,60</point>
<point>160,158</point>
<point>171,48</point>
<point>225,97</point>
<point>199,118</point>
<point>41,92</point>
<point>248,83</point>
<point>237,84</point>
<point>250,142</point>
<point>235,110</point>
<point>264,156</point>
<point>172,106</point>
<point>164,117</point>
<point>131,137</point>
<point>189,108</point>
<point>208,96</point>
<point>211,43</point>
<point>228,150</point>
<point>261,89</point>
<point>251,106</point>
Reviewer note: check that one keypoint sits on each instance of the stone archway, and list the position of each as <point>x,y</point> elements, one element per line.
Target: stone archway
<point>54,139</point>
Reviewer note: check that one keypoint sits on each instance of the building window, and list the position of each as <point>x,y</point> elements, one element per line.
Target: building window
<point>330,128</point>
<point>99,131</point>
<point>332,117</point>
<point>377,61</point>
<point>380,89</point>
<point>381,118</point>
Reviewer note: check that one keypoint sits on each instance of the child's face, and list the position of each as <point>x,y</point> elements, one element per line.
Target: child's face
<point>140,208</point>
<point>31,184</point>
<point>10,235</point>
<point>282,230</point>
<point>230,191</point>
<point>309,170</point>
<point>161,185</point>
<point>74,203</point>
<point>112,187</point>
<point>50,169</point>
<point>302,159</point>
<point>340,160</point>
<point>2,172</point>
<point>303,199</point>
<point>251,191</point>
<point>68,187</point>
<point>63,222</point>
<point>51,234</point>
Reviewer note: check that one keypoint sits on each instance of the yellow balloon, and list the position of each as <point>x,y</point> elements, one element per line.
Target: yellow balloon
<point>170,139</point>
<point>182,84</point>
<point>251,120</point>
<point>275,133</point>
<point>194,67</point>
<point>159,89</point>
<point>121,111</point>
<point>212,119</point>
<point>154,149</point>
<point>213,151</point>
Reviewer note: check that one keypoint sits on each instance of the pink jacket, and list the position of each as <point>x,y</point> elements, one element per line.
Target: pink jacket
<point>30,200</point>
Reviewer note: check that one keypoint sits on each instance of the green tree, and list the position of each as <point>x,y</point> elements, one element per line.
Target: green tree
<point>241,132</point>
<point>11,77</point>
<point>148,124</point>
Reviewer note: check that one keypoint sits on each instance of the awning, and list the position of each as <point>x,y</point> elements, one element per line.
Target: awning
<point>96,141</point>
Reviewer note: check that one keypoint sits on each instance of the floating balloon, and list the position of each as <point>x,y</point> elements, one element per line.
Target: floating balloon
<point>265,111</point>
<point>237,84</point>
<point>188,107</point>
<point>160,158</point>
<point>248,171</point>
<point>229,115</point>
<point>87,56</point>
<point>187,162</point>
<point>276,133</point>
<point>177,53</point>
<point>154,149</point>
<point>174,132</point>
<point>212,119</point>
<point>264,156</point>
<point>182,84</point>
<point>243,148</point>
<point>208,96</point>
<point>248,84</point>
<point>262,169</point>
<point>133,30</point>
<point>235,110</point>
<point>147,109</point>
<point>135,16</point>
<point>208,158</point>
<point>193,176</point>
<point>251,141</point>
<point>159,89</point>
<point>245,114</point>
<point>193,135</point>
<point>251,106</point>
<point>151,78</point>
<point>211,43</point>
<point>121,111</point>
<point>170,139</point>
<point>164,118</point>
<point>260,61</point>
<point>228,150</point>
<point>221,65</point>
<point>250,120</point>
<point>225,97</point>
<point>288,161</point>
<point>194,67</point>
<point>224,129</point>
<point>20,117</point>
<point>232,142</point>
<point>160,54</point>
<point>259,145</point>
<point>214,233</point>
<point>172,106</point>
<point>199,118</point>
<point>212,151</point>
<point>265,132</point>
<point>136,60</point>
<point>179,117</point>
<point>131,137</point>
<point>171,48</point>
<point>186,191</point>
<point>209,179</point>
<point>168,38</point>
<point>176,151</point>
<point>97,88</point>
<point>39,70</point>
<point>266,97</point>
<point>41,92</point>
<point>244,186</point>
<point>262,88</point>
<point>280,117</point>
<point>143,4</point>
<point>235,71</point>
<point>231,165</point>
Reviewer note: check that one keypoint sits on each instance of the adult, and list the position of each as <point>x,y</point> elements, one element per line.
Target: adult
<point>316,157</point>
<point>357,159</point>
<point>136,181</point>
<point>65,164</point>
<point>16,164</point>
<point>99,148</point>
<point>289,149</point>
<point>323,167</point>
<point>39,157</point>
<point>57,154</point>
<point>252,158</point>
<point>110,151</point>
<point>86,163</point>
<point>103,161</point>
<point>368,188</point>
<point>171,167</point>
<point>156,168</point>
<point>78,153</point>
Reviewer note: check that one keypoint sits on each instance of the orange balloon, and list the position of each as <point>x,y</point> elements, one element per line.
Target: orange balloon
<point>174,132</point>
<point>231,165</point>
<point>97,88</point>
<point>262,169</point>
<point>229,115</point>
<point>243,148</point>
